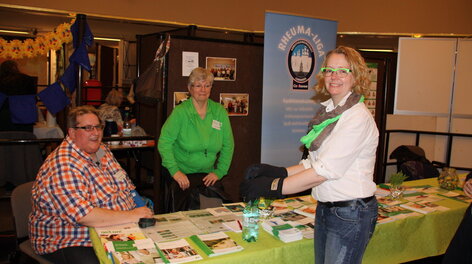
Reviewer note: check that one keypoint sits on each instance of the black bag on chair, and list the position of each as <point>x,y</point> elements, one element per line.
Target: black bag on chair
<point>412,162</point>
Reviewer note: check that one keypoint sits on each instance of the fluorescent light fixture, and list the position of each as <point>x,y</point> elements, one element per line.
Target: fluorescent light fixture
<point>107,39</point>
<point>377,50</point>
<point>14,32</point>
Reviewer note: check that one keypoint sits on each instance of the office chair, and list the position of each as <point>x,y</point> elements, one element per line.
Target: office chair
<point>21,207</point>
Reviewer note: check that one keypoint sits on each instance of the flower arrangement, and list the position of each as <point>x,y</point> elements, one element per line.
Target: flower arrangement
<point>397,179</point>
<point>28,48</point>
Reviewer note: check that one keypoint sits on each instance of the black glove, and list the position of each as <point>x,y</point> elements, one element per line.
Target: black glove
<point>266,170</point>
<point>261,186</point>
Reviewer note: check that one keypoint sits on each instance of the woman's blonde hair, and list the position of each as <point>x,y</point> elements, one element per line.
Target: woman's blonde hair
<point>200,74</point>
<point>114,97</point>
<point>359,69</point>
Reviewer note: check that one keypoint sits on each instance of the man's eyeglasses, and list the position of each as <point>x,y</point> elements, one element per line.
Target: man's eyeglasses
<point>341,72</point>
<point>90,128</point>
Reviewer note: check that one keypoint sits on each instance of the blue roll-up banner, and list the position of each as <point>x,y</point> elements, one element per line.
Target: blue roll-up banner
<point>294,49</point>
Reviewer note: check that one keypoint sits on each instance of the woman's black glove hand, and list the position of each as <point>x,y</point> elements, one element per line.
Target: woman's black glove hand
<point>266,170</point>
<point>262,186</point>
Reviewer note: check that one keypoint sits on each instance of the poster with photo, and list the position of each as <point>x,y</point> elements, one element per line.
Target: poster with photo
<point>224,69</point>
<point>179,97</point>
<point>237,104</point>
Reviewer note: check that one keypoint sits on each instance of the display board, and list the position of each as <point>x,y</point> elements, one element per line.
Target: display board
<point>294,49</point>
<point>425,76</point>
<point>462,82</point>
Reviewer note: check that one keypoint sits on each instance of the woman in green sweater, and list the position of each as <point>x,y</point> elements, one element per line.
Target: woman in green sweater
<point>196,142</point>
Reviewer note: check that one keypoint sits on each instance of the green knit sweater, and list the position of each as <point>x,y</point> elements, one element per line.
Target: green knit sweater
<point>190,144</point>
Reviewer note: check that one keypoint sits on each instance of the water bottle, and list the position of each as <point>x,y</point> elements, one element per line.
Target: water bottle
<point>250,220</point>
<point>126,129</point>
<point>126,126</point>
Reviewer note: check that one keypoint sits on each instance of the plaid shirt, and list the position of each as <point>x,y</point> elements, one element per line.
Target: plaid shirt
<point>68,186</point>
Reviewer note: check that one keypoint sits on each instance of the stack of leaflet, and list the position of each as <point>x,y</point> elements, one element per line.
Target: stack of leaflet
<point>282,230</point>
<point>216,244</point>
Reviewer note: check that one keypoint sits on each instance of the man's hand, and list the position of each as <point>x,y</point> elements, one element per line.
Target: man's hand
<point>266,170</point>
<point>468,188</point>
<point>98,217</point>
<point>210,179</point>
<point>182,180</point>
<point>140,212</point>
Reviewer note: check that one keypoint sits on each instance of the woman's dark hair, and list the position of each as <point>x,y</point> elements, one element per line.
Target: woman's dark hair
<point>8,68</point>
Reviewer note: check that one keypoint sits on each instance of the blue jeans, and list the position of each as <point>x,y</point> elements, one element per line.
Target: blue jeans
<point>342,233</point>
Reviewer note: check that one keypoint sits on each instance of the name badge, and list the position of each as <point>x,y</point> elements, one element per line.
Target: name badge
<point>120,175</point>
<point>216,124</point>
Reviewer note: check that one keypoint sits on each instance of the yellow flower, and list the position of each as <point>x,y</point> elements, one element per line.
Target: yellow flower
<point>17,49</point>
<point>27,50</point>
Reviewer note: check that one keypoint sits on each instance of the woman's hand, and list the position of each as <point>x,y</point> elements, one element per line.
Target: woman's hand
<point>468,188</point>
<point>210,179</point>
<point>182,180</point>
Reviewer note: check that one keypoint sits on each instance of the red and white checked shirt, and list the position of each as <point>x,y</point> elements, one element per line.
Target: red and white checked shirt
<point>68,186</point>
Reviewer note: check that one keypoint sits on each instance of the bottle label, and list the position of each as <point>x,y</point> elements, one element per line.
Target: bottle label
<point>250,220</point>
<point>126,132</point>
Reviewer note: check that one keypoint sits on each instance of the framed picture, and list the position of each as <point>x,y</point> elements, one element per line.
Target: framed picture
<point>224,69</point>
<point>179,97</point>
<point>237,104</point>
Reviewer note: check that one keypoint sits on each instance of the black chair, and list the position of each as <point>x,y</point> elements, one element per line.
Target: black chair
<point>21,207</point>
<point>208,197</point>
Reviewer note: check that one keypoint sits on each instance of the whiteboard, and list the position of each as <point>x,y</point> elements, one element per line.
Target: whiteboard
<point>425,74</point>
<point>463,81</point>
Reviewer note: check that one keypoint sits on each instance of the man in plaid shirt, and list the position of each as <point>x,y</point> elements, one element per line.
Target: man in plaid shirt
<point>80,185</point>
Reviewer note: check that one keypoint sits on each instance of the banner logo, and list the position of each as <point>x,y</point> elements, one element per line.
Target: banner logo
<point>301,63</point>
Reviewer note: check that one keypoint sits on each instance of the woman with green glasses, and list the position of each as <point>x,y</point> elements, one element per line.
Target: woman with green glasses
<point>339,169</point>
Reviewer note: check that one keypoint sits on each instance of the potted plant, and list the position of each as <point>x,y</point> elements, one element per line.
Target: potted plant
<point>396,185</point>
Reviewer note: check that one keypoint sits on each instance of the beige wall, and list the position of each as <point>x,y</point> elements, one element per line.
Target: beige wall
<point>414,16</point>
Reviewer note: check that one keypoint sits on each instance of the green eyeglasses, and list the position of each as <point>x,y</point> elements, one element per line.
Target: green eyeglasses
<point>341,72</point>
<point>90,128</point>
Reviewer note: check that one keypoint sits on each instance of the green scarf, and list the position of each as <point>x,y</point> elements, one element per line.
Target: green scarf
<point>324,122</point>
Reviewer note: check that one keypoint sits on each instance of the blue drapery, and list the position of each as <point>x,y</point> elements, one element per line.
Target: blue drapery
<point>23,107</point>
<point>54,98</point>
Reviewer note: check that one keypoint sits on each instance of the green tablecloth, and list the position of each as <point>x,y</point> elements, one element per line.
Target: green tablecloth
<point>393,242</point>
<point>416,237</point>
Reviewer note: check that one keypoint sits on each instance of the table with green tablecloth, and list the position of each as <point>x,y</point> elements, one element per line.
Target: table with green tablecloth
<point>399,241</point>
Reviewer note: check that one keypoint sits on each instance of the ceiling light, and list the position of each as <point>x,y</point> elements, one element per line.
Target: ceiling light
<point>14,32</point>
<point>107,39</point>
<point>377,50</point>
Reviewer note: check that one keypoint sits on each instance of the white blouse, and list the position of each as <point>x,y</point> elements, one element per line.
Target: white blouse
<point>346,158</point>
